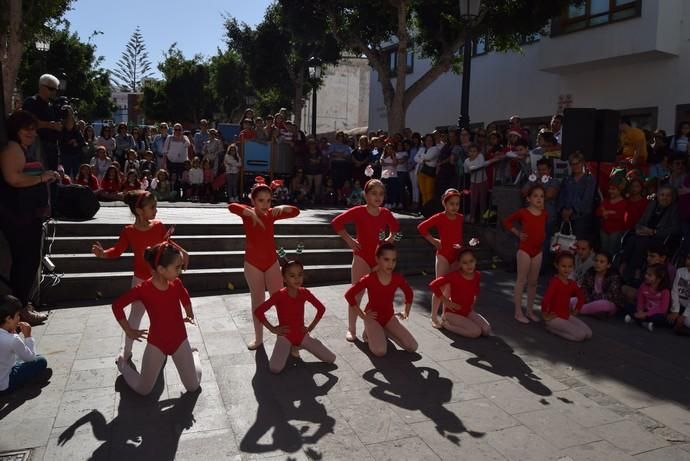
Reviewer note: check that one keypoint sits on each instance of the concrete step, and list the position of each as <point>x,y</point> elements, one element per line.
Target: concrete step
<point>86,262</point>
<point>106,286</point>
<point>82,244</point>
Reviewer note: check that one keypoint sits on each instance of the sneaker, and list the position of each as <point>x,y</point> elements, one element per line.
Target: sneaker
<point>628,318</point>
<point>649,326</point>
<point>32,317</point>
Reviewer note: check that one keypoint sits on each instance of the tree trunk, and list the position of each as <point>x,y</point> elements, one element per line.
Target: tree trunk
<point>11,51</point>
<point>396,118</point>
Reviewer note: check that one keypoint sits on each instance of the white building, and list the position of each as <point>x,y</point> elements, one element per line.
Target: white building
<point>627,55</point>
<point>342,102</point>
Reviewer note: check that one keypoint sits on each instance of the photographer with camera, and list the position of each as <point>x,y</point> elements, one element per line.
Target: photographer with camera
<point>71,142</point>
<point>49,125</point>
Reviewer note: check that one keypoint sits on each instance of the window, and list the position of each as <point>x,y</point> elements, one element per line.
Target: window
<point>591,13</point>
<point>393,61</point>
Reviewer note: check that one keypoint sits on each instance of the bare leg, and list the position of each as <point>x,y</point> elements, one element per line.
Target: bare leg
<point>532,280</point>
<point>566,329</point>
<point>256,280</point>
<point>376,337</point>
<point>584,328</point>
<point>523,266</point>
<point>401,335</point>
<point>188,366</point>
<point>317,348</point>
<point>136,312</point>
<point>481,322</point>
<point>442,268</point>
<point>461,325</point>
<point>151,364</point>
<point>280,354</point>
<point>360,268</point>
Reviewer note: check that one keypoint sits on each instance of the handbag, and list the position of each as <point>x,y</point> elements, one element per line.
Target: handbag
<point>561,240</point>
<point>428,170</point>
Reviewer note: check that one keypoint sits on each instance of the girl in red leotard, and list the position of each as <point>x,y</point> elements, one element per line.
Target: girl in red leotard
<point>532,221</point>
<point>370,220</point>
<point>291,331</point>
<point>556,305</point>
<point>459,315</point>
<point>162,295</point>
<point>380,320</point>
<point>145,232</point>
<point>261,267</point>
<point>448,224</point>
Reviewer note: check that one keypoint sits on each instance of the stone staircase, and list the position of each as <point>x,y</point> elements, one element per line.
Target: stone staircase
<point>216,258</point>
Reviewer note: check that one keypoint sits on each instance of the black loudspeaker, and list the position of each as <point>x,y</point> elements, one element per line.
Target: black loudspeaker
<point>579,127</point>
<point>73,202</point>
<point>606,135</point>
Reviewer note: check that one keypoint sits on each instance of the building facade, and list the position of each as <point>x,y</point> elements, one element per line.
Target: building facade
<point>628,55</point>
<point>342,102</point>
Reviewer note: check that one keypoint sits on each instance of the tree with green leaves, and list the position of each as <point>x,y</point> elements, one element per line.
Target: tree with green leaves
<point>134,66</point>
<point>277,52</point>
<point>21,22</point>
<point>183,94</point>
<point>430,28</point>
<point>76,62</point>
<point>228,84</point>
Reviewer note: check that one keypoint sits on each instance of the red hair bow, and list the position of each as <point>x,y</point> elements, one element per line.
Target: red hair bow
<point>276,183</point>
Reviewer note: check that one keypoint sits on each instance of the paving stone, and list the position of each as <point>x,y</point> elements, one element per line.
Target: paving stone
<point>107,347</point>
<point>671,415</point>
<point>665,454</point>
<point>90,379</point>
<point>25,433</point>
<point>512,397</point>
<point>208,413</point>
<point>629,395</point>
<point>88,441</point>
<point>211,445</point>
<point>520,444</point>
<point>412,449</point>
<point>464,372</point>
<point>100,363</point>
<point>76,404</point>
<point>482,415</point>
<point>582,410</point>
<point>557,428</point>
<point>629,437</point>
<point>222,343</point>
<point>597,451</point>
<point>448,445</point>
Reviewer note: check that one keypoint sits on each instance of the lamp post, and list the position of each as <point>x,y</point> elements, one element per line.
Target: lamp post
<point>469,11</point>
<point>314,76</point>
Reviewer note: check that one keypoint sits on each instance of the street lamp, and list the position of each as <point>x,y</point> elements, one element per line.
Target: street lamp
<point>314,76</point>
<point>469,12</point>
<point>43,45</point>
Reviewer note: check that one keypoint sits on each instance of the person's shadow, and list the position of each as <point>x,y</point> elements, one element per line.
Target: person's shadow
<point>11,401</point>
<point>415,389</point>
<point>288,396</point>
<point>144,428</point>
<point>494,355</point>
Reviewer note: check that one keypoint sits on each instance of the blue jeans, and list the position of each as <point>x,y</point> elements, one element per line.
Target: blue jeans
<point>23,372</point>
<point>392,190</point>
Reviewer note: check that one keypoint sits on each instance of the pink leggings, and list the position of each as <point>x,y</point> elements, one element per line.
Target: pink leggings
<point>600,306</point>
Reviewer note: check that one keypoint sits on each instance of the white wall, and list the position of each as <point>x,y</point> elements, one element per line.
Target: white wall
<point>612,69</point>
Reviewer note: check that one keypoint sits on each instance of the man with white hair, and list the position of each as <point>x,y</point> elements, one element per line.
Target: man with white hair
<point>49,126</point>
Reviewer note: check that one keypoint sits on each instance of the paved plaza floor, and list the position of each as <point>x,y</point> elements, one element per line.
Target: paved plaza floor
<point>520,395</point>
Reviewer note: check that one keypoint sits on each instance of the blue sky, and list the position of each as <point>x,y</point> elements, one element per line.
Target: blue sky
<point>196,26</point>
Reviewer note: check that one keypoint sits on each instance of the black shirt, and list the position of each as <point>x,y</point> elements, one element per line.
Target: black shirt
<point>45,112</point>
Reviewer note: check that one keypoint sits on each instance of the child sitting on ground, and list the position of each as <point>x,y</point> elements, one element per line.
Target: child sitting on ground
<point>680,300</point>
<point>653,299</point>
<point>13,373</point>
<point>602,287</point>
<point>656,255</point>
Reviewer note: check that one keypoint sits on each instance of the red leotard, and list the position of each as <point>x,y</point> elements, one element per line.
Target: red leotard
<point>556,302</point>
<point>634,212</point>
<point>449,232</point>
<point>138,241</point>
<point>380,296</point>
<point>167,330</point>
<point>111,186</point>
<point>91,183</point>
<point>291,312</point>
<point>616,222</point>
<point>532,225</point>
<point>462,291</point>
<point>260,245</point>
<point>367,229</point>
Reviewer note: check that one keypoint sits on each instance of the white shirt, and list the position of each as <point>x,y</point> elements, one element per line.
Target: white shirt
<point>680,293</point>
<point>196,176</point>
<point>475,168</point>
<point>402,155</point>
<point>232,165</point>
<point>389,167</point>
<point>11,348</point>
<point>176,150</point>
<point>428,156</point>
